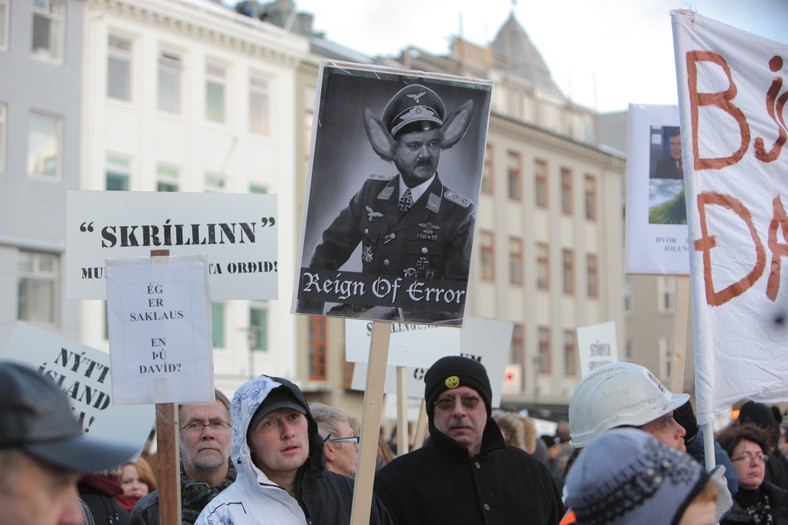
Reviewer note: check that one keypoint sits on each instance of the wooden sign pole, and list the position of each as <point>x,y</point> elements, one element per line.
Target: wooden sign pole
<point>421,426</point>
<point>370,422</point>
<point>168,458</point>
<point>680,321</point>
<point>403,436</point>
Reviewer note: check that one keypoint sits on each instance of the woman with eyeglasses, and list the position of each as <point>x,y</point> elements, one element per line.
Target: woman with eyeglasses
<point>757,501</point>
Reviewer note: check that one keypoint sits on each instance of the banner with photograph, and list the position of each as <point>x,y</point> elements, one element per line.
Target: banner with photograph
<point>397,159</point>
<point>656,207</point>
<point>732,97</point>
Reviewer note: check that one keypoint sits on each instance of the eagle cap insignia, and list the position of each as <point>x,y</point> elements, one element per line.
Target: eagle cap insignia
<point>416,96</point>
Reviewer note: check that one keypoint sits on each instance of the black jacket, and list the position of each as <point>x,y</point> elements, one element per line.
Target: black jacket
<point>778,501</point>
<point>439,483</point>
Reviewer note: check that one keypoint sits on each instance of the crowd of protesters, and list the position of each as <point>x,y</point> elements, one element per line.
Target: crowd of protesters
<point>630,452</point>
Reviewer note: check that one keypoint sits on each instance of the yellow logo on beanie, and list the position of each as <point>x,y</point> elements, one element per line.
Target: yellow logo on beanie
<point>452,382</point>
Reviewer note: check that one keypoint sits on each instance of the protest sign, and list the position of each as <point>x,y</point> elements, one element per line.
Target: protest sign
<point>385,237</point>
<point>656,208</point>
<point>159,318</point>
<point>485,340</point>
<point>84,375</point>
<point>732,111</point>
<point>596,346</point>
<point>236,232</point>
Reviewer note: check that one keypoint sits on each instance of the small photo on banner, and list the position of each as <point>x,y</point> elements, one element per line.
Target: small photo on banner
<point>656,207</point>
<point>397,160</point>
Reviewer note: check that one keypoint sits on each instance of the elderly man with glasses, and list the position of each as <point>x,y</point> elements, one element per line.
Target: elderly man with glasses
<point>466,473</point>
<point>340,441</point>
<point>206,470</point>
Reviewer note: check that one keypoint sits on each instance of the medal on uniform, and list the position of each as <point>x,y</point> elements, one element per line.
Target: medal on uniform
<point>409,272</point>
<point>367,254</point>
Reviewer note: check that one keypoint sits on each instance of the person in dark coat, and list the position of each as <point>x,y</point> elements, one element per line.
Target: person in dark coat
<point>762,416</point>
<point>98,491</point>
<point>466,473</point>
<point>758,501</point>
<point>671,167</point>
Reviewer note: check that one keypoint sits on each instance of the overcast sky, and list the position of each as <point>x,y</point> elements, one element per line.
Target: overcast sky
<point>603,54</point>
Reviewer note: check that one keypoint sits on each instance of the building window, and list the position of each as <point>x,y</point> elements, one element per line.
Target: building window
<point>592,264</point>
<point>544,350</point>
<point>4,24</point>
<point>487,251</point>
<point>259,106</point>
<point>258,326</point>
<point>317,349</point>
<point>48,28</point>
<point>590,198</point>
<point>566,191</point>
<point>629,350</point>
<point>665,356</point>
<point>217,324</point>
<point>515,260</point>
<point>215,87</point>
<point>487,174</point>
<point>517,356</point>
<point>170,70</point>
<point>542,266</point>
<point>215,182</point>
<point>167,178</point>
<point>514,175</point>
<point>3,132</point>
<point>540,183</point>
<point>666,293</point>
<point>570,353</point>
<point>118,173</point>
<point>629,298</point>
<point>44,145</point>
<point>258,189</point>
<point>119,68</point>
<point>38,287</point>
<point>568,260</point>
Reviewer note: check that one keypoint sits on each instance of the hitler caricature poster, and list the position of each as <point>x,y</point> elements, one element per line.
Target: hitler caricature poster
<point>395,176</point>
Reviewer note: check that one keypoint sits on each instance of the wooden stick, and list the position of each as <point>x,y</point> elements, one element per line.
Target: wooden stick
<point>168,475</point>
<point>168,454</point>
<point>421,426</point>
<point>370,422</point>
<point>403,436</point>
<point>680,321</point>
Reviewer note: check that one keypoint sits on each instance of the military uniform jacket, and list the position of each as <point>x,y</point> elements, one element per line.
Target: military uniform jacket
<point>432,240</point>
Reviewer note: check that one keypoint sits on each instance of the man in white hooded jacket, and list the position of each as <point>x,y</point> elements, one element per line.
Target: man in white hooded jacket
<point>278,453</point>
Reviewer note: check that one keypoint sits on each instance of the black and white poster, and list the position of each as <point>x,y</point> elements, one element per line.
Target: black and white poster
<point>396,167</point>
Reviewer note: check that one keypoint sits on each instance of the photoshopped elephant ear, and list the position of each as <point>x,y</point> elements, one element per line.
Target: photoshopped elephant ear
<point>380,138</point>
<point>456,125</point>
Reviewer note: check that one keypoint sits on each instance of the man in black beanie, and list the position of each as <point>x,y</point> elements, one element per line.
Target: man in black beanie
<point>466,473</point>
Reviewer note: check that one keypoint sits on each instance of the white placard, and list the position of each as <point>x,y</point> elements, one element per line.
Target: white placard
<point>84,375</point>
<point>414,345</point>
<point>236,232</point>
<point>485,340</point>
<point>656,208</point>
<point>732,109</point>
<point>159,329</point>
<point>596,345</point>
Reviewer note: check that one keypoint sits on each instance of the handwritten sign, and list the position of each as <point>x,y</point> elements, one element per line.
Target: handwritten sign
<point>84,375</point>
<point>732,98</point>
<point>159,319</point>
<point>236,232</point>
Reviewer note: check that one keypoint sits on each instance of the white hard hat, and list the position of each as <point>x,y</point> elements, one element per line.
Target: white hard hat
<point>617,395</point>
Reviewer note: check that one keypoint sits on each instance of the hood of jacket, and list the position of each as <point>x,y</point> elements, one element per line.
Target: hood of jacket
<point>246,401</point>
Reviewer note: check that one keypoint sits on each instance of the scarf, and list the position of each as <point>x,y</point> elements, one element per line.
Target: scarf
<point>755,504</point>
<point>195,495</point>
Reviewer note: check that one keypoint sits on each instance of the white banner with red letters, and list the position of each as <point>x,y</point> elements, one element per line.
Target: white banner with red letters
<point>732,97</point>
